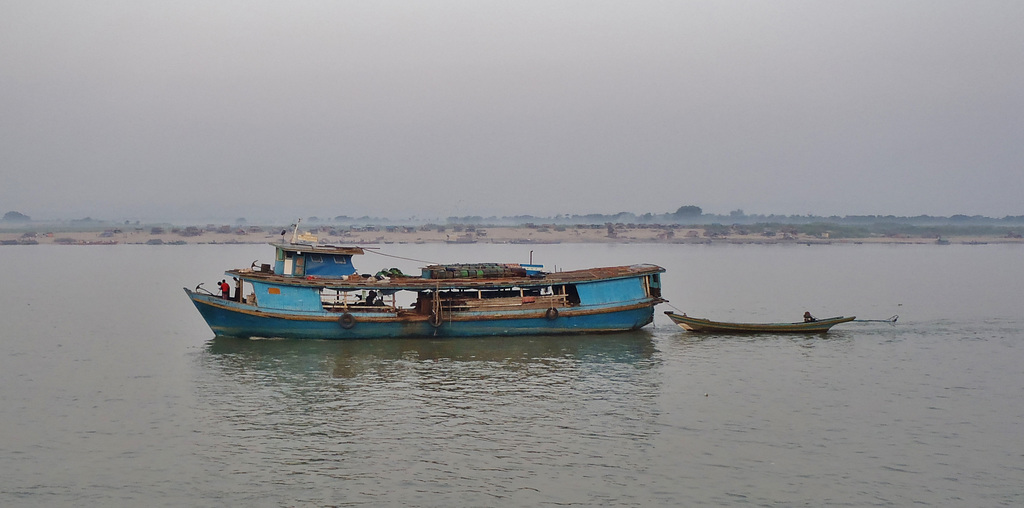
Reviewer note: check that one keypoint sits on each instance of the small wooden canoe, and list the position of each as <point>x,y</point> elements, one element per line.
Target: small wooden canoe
<point>706,325</point>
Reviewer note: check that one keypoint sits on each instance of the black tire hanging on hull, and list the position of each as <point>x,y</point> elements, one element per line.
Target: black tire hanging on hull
<point>347,321</point>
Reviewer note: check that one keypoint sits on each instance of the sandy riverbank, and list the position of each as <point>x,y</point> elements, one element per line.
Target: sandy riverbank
<point>525,235</point>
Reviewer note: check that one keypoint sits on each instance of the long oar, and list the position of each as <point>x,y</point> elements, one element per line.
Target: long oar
<point>891,321</point>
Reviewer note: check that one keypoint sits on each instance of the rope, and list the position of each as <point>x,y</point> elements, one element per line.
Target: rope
<point>400,257</point>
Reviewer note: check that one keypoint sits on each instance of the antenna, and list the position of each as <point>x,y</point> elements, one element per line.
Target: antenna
<point>295,232</point>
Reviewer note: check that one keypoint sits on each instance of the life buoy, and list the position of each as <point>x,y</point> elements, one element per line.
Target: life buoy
<point>434,320</point>
<point>347,320</point>
<point>551,314</point>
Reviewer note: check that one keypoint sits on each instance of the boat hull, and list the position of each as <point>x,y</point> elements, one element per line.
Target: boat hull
<point>228,318</point>
<point>706,325</point>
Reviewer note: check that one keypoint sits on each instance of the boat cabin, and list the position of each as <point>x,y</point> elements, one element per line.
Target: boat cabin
<point>298,260</point>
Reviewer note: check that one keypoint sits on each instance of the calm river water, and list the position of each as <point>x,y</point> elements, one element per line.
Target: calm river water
<point>113,391</point>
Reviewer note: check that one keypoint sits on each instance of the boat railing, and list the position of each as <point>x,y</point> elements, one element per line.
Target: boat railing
<point>378,309</point>
<point>341,301</point>
<point>483,304</point>
<point>345,301</point>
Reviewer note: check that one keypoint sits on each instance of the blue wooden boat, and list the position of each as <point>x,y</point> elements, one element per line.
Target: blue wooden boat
<point>313,291</point>
<point>693,324</point>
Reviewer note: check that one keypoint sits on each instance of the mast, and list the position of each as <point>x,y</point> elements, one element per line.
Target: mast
<point>295,231</point>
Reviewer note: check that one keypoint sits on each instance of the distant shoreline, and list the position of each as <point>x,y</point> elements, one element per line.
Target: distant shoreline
<point>470,235</point>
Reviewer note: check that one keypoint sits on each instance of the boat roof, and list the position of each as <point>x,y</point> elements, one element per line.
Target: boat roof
<point>423,284</point>
<point>318,249</point>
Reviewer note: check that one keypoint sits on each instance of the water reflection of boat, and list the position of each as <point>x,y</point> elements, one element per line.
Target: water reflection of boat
<point>346,359</point>
<point>313,291</point>
<point>693,324</point>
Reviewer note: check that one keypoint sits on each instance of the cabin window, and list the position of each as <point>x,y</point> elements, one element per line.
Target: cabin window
<point>316,258</point>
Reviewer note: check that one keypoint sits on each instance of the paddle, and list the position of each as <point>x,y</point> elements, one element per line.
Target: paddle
<point>891,321</point>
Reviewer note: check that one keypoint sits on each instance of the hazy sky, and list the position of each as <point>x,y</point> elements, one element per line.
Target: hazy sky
<point>194,109</point>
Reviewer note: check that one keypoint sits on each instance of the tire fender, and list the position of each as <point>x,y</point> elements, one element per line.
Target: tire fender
<point>347,320</point>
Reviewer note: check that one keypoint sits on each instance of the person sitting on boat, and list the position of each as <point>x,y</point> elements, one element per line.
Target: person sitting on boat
<point>371,298</point>
<point>808,318</point>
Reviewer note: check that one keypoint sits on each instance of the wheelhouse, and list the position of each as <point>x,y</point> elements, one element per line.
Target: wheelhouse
<point>297,260</point>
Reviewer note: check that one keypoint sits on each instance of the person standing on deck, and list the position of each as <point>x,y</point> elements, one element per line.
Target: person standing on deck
<point>225,289</point>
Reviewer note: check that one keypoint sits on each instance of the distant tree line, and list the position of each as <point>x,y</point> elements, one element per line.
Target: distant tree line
<point>16,217</point>
<point>687,215</point>
<point>694,215</point>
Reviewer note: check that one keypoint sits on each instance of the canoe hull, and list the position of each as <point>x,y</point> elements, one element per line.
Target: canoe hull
<point>227,318</point>
<point>708,326</point>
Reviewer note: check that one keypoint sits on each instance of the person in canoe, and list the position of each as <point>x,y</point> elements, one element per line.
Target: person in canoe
<point>808,318</point>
